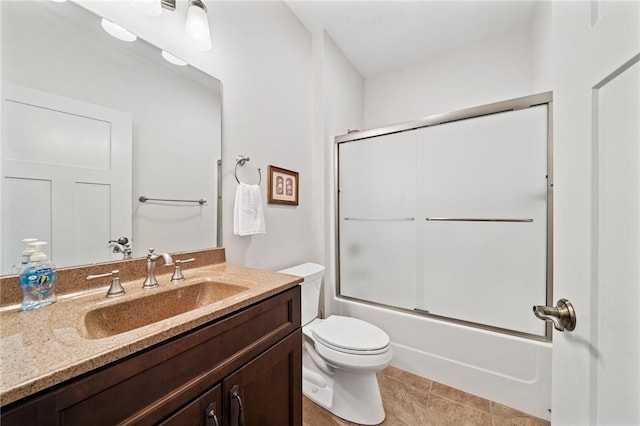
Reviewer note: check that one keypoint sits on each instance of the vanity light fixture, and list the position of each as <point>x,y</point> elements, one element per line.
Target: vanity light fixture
<point>173,59</point>
<point>196,29</point>
<point>117,31</point>
<point>197,34</point>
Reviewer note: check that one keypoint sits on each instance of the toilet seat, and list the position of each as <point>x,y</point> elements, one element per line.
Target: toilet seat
<point>360,362</point>
<point>350,360</point>
<point>350,335</point>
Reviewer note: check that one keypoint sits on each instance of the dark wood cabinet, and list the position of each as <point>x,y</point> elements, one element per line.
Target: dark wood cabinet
<point>204,410</point>
<point>265,391</point>
<point>255,352</point>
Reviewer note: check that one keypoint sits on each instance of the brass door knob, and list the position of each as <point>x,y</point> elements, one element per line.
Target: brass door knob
<point>563,316</point>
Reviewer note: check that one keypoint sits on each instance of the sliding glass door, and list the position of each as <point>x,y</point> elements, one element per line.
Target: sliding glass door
<point>450,220</point>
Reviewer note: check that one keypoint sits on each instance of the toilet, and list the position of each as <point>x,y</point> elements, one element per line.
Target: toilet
<point>340,356</point>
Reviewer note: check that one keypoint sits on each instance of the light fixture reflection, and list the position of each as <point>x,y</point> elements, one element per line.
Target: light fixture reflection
<point>173,59</point>
<point>196,30</point>
<point>117,31</point>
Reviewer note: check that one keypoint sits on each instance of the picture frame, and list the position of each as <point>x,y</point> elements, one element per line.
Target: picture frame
<point>282,186</point>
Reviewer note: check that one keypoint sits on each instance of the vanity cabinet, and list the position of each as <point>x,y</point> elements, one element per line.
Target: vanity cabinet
<point>243,369</point>
<point>205,410</point>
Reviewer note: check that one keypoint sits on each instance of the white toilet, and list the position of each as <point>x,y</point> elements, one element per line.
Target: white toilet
<point>340,356</point>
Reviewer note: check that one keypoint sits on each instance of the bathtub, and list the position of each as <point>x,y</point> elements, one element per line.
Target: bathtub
<point>510,370</point>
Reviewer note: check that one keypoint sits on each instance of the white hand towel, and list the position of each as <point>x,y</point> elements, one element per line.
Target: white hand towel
<point>248,216</point>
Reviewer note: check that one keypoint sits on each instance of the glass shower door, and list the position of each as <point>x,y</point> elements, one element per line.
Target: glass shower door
<point>483,219</point>
<point>377,223</point>
<point>450,218</point>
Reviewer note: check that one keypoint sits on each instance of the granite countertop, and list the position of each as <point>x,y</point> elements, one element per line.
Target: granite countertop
<point>45,347</point>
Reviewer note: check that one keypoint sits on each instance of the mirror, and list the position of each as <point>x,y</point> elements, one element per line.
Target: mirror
<point>59,51</point>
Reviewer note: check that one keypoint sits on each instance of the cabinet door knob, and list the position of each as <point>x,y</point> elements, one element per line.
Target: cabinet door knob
<point>235,395</point>
<point>210,414</point>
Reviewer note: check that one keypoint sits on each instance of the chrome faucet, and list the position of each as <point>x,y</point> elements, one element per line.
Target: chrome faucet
<point>121,245</point>
<point>151,281</point>
<point>116,288</point>
<point>177,272</point>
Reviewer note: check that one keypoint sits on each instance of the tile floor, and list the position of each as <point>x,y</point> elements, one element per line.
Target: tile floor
<point>411,400</point>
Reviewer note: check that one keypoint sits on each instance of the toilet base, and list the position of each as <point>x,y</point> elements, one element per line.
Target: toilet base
<point>353,396</point>
<point>317,388</point>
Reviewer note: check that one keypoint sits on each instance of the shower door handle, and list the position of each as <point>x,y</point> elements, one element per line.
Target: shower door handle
<point>563,316</point>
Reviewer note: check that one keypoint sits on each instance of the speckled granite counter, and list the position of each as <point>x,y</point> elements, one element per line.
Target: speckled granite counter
<point>41,348</point>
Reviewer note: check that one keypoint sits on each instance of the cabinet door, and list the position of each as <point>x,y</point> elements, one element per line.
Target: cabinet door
<point>268,390</point>
<point>203,411</point>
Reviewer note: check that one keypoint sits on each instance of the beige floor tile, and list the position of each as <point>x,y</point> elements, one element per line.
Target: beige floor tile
<point>443,412</point>
<point>410,400</point>
<point>314,415</point>
<point>461,397</point>
<point>403,404</point>
<point>503,415</point>
<point>392,419</point>
<point>519,421</point>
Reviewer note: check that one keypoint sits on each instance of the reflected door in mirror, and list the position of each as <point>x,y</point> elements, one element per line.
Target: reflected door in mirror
<point>66,173</point>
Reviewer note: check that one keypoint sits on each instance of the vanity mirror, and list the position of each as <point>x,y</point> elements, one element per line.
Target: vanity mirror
<point>89,125</point>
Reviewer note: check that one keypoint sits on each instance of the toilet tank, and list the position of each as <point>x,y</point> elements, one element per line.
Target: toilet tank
<point>312,274</point>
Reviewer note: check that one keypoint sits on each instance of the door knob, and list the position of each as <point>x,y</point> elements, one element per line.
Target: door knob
<point>563,316</point>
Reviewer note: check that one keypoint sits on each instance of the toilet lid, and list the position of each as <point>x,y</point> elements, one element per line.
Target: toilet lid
<point>350,334</point>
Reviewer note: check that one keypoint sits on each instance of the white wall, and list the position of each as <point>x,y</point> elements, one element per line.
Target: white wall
<point>485,72</point>
<point>541,45</point>
<point>267,114</point>
<point>343,95</point>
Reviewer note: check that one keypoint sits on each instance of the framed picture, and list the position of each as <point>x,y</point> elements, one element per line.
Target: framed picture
<point>282,186</point>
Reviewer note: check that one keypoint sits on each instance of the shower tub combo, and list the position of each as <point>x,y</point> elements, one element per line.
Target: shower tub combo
<point>444,240</point>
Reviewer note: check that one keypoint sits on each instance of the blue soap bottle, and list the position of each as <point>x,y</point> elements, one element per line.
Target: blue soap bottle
<point>38,280</point>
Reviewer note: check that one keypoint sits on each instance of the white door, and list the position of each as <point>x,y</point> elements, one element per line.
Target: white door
<point>596,368</point>
<point>66,176</point>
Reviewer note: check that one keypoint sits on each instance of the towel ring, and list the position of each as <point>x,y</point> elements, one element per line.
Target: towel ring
<point>240,160</point>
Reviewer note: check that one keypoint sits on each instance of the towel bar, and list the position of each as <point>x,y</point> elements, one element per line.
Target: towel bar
<point>144,199</point>
<point>476,219</point>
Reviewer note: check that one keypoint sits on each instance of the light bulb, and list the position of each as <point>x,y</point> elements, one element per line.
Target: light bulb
<point>196,29</point>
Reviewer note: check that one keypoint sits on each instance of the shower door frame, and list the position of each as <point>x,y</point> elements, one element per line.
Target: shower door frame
<point>545,98</point>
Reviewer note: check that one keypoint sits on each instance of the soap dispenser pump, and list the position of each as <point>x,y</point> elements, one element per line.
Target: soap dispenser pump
<point>25,257</point>
<point>38,280</point>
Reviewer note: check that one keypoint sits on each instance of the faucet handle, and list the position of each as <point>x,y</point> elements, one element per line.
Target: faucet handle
<point>122,241</point>
<point>115,289</point>
<point>177,272</point>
